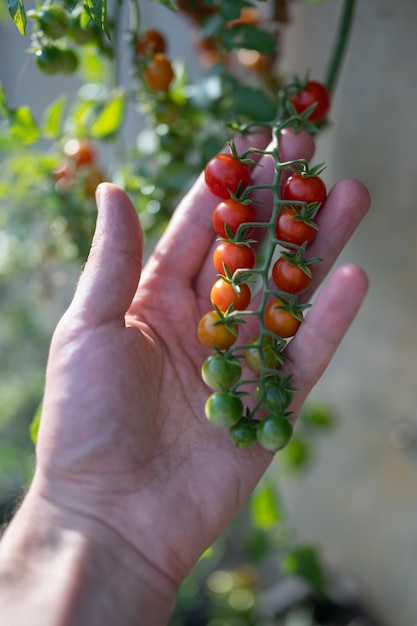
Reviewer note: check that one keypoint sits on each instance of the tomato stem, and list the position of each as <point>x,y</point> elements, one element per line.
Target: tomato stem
<point>339,49</point>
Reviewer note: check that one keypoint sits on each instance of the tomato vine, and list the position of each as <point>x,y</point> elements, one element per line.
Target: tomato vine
<point>266,418</point>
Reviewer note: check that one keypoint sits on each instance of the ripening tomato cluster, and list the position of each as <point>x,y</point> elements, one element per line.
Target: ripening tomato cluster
<point>291,230</point>
<point>156,68</point>
<point>78,168</point>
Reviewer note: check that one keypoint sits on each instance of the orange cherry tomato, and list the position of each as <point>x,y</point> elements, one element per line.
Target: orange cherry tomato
<point>224,294</point>
<point>159,73</point>
<point>214,335</point>
<point>279,321</point>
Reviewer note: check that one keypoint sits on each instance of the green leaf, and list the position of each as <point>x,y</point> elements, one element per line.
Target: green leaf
<point>18,13</point>
<point>252,103</point>
<point>232,10</point>
<point>98,12</point>
<point>264,506</point>
<point>304,561</point>
<point>52,123</point>
<point>110,117</point>
<point>250,37</point>
<point>23,125</point>
<point>4,109</point>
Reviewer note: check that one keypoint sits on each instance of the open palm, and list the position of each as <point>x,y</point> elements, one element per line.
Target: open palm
<point>123,437</point>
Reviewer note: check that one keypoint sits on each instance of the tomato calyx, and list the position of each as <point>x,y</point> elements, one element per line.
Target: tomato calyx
<point>297,259</point>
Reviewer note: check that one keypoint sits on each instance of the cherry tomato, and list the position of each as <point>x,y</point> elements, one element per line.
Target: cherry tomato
<point>290,229</point>
<point>151,41</point>
<point>289,277</point>
<point>83,33</point>
<point>274,433</point>
<point>225,174</point>
<point>274,395</point>
<point>64,171</point>
<point>233,256</point>
<point>313,93</point>
<point>304,188</point>
<point>243,435</point>
<point>224,294</point>
<point>55,60</point>
<point>80,151</point>
<point>223,409</point>
<point>214,335</point>
<point>279,321</point>
<point>158,73</point>
<point>219,372</point>
<point>94,177</point>
<point>233,214</point>
<point>268,349</point>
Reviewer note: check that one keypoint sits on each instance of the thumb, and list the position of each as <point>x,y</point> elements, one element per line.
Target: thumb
<point>112,271</point>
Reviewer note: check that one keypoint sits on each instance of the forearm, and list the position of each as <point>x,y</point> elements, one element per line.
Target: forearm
<point>55,571</point>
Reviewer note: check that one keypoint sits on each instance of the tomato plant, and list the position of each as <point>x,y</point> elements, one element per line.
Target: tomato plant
<point>279,320</point>
<point>223,294</point>
<point>225,174</point>
<point>233,256</point>
<point>232,214</point>
<point>312,93</point>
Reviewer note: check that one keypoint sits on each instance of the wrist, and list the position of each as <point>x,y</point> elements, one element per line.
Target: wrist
<point>75,570</point>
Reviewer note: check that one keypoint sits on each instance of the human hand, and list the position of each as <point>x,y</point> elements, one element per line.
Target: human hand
<point>123,439</point>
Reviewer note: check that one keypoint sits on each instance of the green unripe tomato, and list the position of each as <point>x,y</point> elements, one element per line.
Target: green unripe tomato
<point>219,372</point>
<point>243,435</point>
<point>83,34</point>
<point>274,433</point>
<point>48,59</point>
<point>223,409</point>
<point>54,60</point>
<point>273,395</point>
<point>69,61</point>
<point>53,21</point>
<point>253,355</point>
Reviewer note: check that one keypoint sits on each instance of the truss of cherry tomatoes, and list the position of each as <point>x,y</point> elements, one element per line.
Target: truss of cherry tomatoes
<point>285,271</point>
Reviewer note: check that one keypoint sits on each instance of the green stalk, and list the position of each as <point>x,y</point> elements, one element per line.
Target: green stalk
<point>339,49</point>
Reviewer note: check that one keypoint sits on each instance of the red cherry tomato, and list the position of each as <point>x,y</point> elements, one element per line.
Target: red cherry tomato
<point>224,294</point>
<point>304,188</point>
<point>151,40</point>
<point>290,277</point>
<point>80,151</point>
<point>233,214</point>
<point>280,321</point>
<point>313,93</point>
<point>289,229</point>
<point>225,174</point>
<point>233,256</point>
